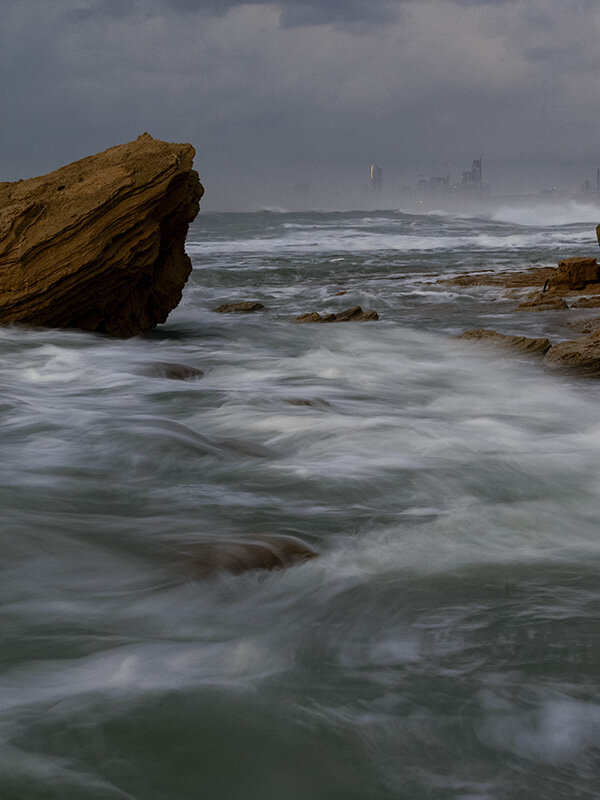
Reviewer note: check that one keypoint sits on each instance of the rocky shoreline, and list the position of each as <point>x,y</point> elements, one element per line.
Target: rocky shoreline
<point>573,285</point>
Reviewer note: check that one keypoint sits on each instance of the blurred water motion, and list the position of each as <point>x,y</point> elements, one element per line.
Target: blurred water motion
<point>445,643</point>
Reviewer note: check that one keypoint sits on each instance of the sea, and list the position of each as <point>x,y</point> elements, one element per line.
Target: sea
<point>445,644</point>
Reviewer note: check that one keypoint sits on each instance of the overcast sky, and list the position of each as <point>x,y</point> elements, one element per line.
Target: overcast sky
<point>282,92</point>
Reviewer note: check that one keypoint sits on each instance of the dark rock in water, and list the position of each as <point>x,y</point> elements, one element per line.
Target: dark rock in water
<point>244,307</point>
<point>176,372</point>
<point>574,274</point>
<point>598,233</point>
<point>522,344</point>
<point>543,302</point>
<point>587,302</point>
<point>240,555</point>
<point>99,244</point>
<point>577,356</point>
<point>355,314</point>
<point>298,401</point>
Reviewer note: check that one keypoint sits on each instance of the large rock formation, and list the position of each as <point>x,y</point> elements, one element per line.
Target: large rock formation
<point>99,244</point>
<point>575,274</point>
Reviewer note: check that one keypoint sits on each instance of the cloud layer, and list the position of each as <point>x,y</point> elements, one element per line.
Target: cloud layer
<point>273,93</point>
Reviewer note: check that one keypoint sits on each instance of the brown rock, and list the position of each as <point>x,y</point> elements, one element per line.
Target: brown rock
<point>578,356</point>
<point>598,233</point>
<point>355,314</point>
<point>587,302</point>
<point>509,280</point>
<point>574,274</point>
<point>245,307</point>
<point>240,555</point>
<point>543,302</point>
<point>586,325</point>
<point>523,344</point>
<point>99,244</point>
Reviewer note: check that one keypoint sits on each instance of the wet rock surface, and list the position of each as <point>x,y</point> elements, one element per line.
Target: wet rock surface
<point>543,302</point>
<point>587,302</point>
<point>508,279</point>
<point>235,556</point>
<point>522,344</point>
<point>99,244</point>
<point>243,307</point>
<point>355,314</point>
<point>577,356</point>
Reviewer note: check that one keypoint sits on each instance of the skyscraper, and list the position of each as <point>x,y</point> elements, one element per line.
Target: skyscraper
<point>376,177</point>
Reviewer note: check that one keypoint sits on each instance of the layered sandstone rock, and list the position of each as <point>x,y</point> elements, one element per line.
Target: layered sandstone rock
<point>574,274</point>
<point>543,302</point>
<point>578,356</point>
<point>99,244</point>
<point>522,344</point>
<point>507,279</point>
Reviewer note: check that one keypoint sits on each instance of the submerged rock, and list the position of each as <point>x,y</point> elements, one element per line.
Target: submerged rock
<point>244,307</point>
<point>355,314</point>
<point>176,372</point>
<point>301,401</point>
<point>577,356</point>
<point>522,344</point>
<point>240,555</point>
<point>99,244</point>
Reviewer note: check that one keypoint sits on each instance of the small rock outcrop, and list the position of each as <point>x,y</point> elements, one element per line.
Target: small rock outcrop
<point>577,356</point>
<point>522,344</point>
<point>587,302</point>
<point>244,307</point>
<point>586,325</point>
<point>355,314</point>
<point>543,302</point>
<point>99,244</point>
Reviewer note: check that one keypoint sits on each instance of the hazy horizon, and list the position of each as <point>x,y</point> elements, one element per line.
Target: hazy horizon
<point>285,92</point>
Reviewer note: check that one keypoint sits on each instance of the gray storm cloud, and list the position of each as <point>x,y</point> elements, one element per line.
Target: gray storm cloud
<point>277,93</point>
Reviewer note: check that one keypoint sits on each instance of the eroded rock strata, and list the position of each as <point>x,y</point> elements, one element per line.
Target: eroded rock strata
<point>522,344</point>
<point>99,244</point>
<point>577,356</point>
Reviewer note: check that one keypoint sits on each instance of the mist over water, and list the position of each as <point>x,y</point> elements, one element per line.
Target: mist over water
<point>445,644</point>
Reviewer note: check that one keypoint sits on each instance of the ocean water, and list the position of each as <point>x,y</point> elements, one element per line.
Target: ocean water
<point>445,644</point>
